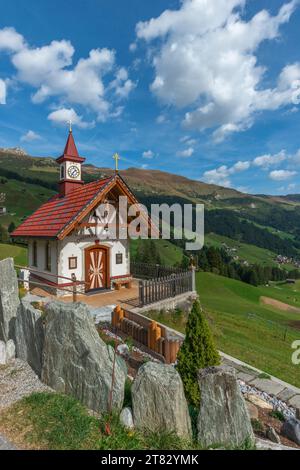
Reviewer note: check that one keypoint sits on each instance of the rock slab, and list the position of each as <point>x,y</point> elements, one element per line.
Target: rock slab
<point>29,334</point>
<point>159,402</point>
<point>9,299</point>
<point>291,429</point>
<point>126,418</point>
<point>223,418</point>
<point>77,362</point>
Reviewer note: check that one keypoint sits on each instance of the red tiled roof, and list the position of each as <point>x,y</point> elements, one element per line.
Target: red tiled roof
<point>49,220</point>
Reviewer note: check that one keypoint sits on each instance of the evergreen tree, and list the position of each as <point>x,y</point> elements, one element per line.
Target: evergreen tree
<point>197,352</point>
<point>11,227</point>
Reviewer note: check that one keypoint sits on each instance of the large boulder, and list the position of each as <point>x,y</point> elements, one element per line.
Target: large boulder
<point>158,400</point>
<point>223,417</point>
<point>9,298</point>
<point>291,429</point>
<point>29,336</point>
<point>77,362</point>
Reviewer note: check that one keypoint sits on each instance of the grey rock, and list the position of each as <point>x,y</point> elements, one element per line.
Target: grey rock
<point>2,353</point>
<point>77,362</point>
<point>298,413</point>
<point>159,402</point>
<point>29,336</point>
<point>223,417</point>
<point>10,350</point>
<point>9,298</point>
<point>123,349</point>
<point>272,435</point>
<point>262,444</point>
<point>295,401</point>
<point>252,410</point>
<point>291,429</point>
<point>126,418</point>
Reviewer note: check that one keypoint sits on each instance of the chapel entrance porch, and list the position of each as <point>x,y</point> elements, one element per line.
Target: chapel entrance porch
<point>98,299</point>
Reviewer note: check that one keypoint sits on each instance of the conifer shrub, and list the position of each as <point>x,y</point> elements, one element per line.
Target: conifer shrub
<point>197,352</point>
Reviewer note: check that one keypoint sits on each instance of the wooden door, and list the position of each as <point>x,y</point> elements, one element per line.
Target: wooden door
<point>96,268</point>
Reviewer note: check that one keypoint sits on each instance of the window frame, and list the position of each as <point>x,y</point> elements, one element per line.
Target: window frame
<point>70,259</point>
<point>48,256</point>
<point>121,256</point>
<point>34,254</point>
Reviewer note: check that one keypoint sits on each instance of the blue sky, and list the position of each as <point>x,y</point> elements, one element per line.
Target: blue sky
<point>206,89</point>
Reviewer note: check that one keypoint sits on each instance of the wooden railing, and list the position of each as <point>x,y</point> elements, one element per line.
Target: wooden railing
<point>159,340</point>
<point>36,279</point>
<point>155,290</point>
<point>151,271</point>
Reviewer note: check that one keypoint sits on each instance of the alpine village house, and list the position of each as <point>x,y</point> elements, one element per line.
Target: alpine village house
<point>63,234</point>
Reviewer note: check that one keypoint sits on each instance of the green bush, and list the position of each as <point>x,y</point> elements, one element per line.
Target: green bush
<point>197,352</point>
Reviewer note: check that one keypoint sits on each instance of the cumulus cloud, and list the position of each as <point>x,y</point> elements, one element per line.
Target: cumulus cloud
<point>186,153</point>
<point>281,175</point>
<point>265,161</point>
<point>93,82</point>
<point>63,115</point>
<point>10,40</point>
<point>2,92</point>
<point>30,136</point>
<point>221,175</point>
<point>205,60</point>
<point>148,154</point>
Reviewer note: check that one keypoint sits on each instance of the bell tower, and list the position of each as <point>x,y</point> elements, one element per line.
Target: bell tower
<point>70,167</point>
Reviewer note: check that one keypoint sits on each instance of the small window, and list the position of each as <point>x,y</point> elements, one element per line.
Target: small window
<point>73,262</point>
<point>34,254</point>
<point>48,257</point>
<point>119,258</point>
<point>62,172</point>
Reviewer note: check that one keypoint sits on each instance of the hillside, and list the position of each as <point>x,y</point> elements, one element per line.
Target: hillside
<point>268,223</point>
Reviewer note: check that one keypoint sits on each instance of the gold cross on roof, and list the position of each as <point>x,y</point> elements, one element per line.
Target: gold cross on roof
<point>116,157</point>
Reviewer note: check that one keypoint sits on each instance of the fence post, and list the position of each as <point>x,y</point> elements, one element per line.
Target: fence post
<point>74,280</point>
<point>141,293</point>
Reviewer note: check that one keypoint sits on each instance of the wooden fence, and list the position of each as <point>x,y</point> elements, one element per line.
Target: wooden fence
<point>155,290</point>
<point>156,338</point>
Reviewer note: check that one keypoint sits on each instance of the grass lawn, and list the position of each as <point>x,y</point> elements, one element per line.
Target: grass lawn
<point>244,328</point>
<point>19,253</point>
<point>251,253</point>
<point>169,253</point>
<point>58,422</point>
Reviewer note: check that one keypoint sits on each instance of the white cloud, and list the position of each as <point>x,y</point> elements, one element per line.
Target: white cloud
<point>30,136</point>
<point>265,161</point>
<point>133,47</point>
<point>2,92</point>
<point>206,61</point>
<point>240,166</point>
<point>186,153</point>
<point>63,116</point>
<point>161,119</point>
<point>10,40</point>
<point>221,175</point>
<point>148,154</point>
<point>94,82</point>
<point>281,175</point>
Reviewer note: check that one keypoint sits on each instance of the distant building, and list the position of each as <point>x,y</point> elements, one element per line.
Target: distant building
<point>2,210</point>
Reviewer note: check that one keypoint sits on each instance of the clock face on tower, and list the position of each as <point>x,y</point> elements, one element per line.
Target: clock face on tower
<point>73,171</point>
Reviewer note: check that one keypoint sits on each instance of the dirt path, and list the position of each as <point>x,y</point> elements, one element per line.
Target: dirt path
<point>279,305</point>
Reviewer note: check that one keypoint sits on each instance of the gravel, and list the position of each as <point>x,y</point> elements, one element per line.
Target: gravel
<point>17,380</point>
<point>277,404</point>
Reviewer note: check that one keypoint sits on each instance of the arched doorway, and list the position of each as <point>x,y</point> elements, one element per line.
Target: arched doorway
<point>97,268</point>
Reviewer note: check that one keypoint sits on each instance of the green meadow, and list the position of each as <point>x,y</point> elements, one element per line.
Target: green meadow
<point>245,328</point>
<point>19,253</point>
